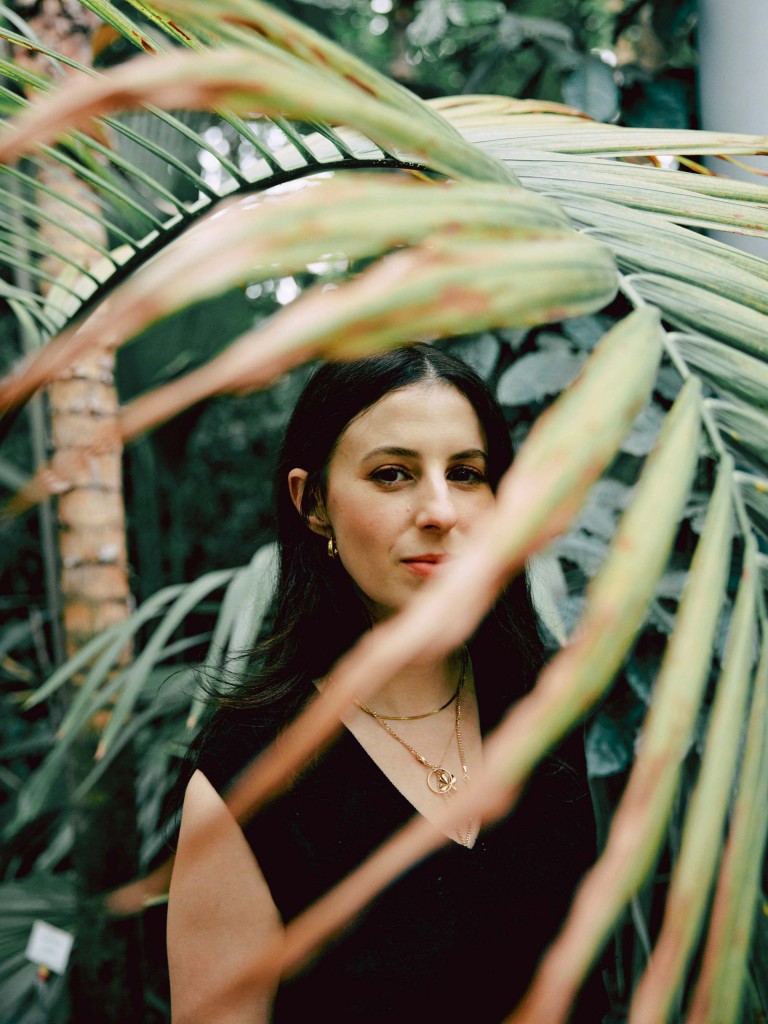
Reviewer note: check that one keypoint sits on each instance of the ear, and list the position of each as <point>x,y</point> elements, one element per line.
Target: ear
<point>316,520</point>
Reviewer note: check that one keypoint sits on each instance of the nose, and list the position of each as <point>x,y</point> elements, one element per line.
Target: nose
<point>436,508</point>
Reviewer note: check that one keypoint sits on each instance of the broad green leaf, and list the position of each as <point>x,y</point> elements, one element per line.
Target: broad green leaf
<point>638,825</point>
<point>612,737</point>
<point>642,437</point>
<point>533,377</point>
<point>590,418</point>
<point>592,88</point>
<point>156,135</point>
<point>705,817</point>
<point>481,353</point>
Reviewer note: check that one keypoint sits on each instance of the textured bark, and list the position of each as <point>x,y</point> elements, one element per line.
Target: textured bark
<point>88,455</point>
<point>86,460</point>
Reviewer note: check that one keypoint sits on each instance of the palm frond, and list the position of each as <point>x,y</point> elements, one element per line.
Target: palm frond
<point>573,680</point>
<point>123,690</point>
<point>255,240</point>
<point>706,815</point>
<point>639,825</point>
<point>718,990</point>
<point>595,211</point>
<point>588,421</point>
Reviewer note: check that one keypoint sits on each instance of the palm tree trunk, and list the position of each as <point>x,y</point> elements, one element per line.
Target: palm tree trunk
<point>106,978</point>
<point>93,575</point>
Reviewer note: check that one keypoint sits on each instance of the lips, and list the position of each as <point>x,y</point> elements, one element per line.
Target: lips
<point>423,565</point>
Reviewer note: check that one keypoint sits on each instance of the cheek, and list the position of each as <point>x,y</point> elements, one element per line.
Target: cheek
<point>478,505</point>
<point>362,524</point>
<point>366,525</point>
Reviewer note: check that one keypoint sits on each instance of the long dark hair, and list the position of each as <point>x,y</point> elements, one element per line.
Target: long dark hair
<point>319,614</point>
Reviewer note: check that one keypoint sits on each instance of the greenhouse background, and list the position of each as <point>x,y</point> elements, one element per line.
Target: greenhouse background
<point>124,571</point>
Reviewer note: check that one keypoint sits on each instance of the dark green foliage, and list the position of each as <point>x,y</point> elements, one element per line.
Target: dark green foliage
<point>224,450</point>
<point>633,61</point>
<point>26,998</point>
<point>529,48</point>
<point>200,489</point>
<point>613,733</point>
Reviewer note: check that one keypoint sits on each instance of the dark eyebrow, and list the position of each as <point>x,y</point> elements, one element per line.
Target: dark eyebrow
<point>409,453</point>
<point>402,453</point>
<point>470,453</point>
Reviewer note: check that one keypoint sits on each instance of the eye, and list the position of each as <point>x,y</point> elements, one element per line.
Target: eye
<point>467,475</point>
<point>390,475</point>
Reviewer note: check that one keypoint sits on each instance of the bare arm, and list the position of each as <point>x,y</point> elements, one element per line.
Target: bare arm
<point>220,915</point>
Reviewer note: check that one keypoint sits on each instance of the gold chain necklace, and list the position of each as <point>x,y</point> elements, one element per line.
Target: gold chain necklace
<point>439,779</point>
<point>427,714</point>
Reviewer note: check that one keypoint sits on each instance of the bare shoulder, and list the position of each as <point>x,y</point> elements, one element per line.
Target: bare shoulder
<point>220,915</point>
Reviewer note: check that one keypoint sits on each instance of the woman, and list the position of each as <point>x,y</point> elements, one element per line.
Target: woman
<point>386,466</point>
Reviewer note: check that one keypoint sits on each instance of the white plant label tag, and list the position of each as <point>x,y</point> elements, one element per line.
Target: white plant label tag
<point>49,946</point>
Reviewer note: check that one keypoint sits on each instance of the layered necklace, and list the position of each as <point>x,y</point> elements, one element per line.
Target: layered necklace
<point>439,779</point>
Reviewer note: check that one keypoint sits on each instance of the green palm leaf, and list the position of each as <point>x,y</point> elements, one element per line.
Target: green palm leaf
<point>639,825</point>
<point>260,240</point>
<point>479,252</point>
<point>573,680</point>
<point>718,992</point>
<point>705,818</point>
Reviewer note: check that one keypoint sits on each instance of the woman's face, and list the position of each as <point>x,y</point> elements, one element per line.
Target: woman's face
<point>406,483</point>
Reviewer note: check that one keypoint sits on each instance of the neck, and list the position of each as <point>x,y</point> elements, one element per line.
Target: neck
<point>418,689</point>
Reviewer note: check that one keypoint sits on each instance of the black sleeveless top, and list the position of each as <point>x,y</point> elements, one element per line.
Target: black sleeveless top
<point>459,936</point>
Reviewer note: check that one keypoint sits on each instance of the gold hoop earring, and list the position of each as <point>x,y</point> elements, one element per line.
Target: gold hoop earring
<point>332,549</point>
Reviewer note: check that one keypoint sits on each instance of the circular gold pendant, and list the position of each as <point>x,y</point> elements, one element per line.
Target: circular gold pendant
<point>441,781</point>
